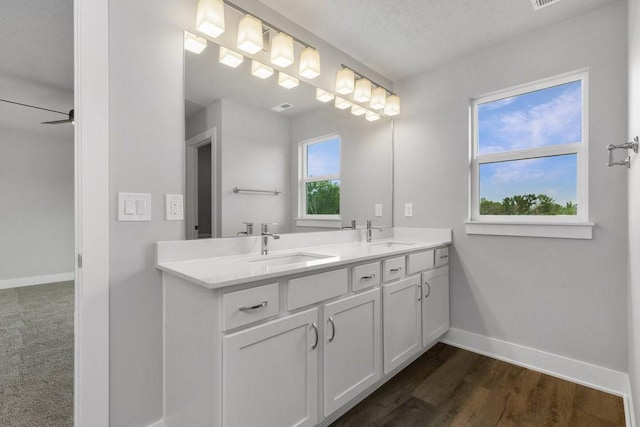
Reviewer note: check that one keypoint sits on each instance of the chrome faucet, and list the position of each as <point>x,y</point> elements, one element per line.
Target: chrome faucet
<point>264,228</point>
<point>351,226</point>
<point>369,228</point>
<point>248,231</point>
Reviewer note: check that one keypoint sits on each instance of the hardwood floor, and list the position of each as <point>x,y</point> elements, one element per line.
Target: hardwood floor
<point>449,386</point>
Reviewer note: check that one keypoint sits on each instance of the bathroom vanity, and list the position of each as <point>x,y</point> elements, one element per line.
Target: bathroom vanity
<point>298,336</point>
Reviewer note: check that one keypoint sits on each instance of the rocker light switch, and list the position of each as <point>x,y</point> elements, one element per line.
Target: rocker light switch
<point>134,207</point>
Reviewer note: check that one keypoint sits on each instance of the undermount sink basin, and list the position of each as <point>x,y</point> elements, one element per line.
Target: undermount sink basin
<point>393,245</point>
<point>287,259</point>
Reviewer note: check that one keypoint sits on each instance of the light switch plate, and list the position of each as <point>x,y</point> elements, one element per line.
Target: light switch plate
<point>174,207</point>
<point>134,207</point>
<point>378,209</point>
<point>408,210</point>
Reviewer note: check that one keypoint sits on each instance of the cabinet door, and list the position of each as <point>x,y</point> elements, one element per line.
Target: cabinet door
<point>401,305</point>
<point>271,374</point>
<point>435,304</point>
<point>352,352</point>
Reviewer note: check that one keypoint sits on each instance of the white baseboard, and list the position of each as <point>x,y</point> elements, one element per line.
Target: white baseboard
<point>35,280</point>
<point>629,413</point>
<point>604,379</point>
<point>159,423</point>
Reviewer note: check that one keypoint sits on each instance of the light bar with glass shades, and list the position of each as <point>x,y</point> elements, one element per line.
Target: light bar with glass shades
<point>357,110</point>
<point>372,116</point>
<point>287,81</point>
<point>392,108</point>
<point>362,92</point>
<point>309,63</point>
<point>323,95</point>
<point>282,50</point>
<point>210,17</point>
<point>344,81</point>
<point>378,98</point>
<point>260,70</point>
<point>230,58</point>
<point>250,34</point>
<point>342,103</point>
<point>194,43</point>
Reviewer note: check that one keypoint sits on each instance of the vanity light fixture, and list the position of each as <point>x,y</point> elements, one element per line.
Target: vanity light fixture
<point>194,43</point>
<point>362,92</point>
<point>372,116</point>
<point>342,103</point>
<point>282,50</point>
<point>393,106</point>
<point>323,95</point>
<point>309,63</point>
<point>287,81</point>
<point>210,17</point>
<point>250,34</point>
<point>345,81</point>
<point>260,70</point>
<point>378,98</point>
<point>230,58</point>
<point>357,110</point>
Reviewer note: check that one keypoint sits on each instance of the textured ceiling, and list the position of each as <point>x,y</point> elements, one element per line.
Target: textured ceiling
<point>401,38</point>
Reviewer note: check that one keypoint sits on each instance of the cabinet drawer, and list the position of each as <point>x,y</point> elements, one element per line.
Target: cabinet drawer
<point>442,256</point>
<point>365,276</point>
<point>419,262</point>
<point>250,305</point>
<point>393,268</point>
<point>319,287</point>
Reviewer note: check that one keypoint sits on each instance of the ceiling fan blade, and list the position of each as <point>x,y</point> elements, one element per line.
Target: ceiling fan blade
<point>56,122</point>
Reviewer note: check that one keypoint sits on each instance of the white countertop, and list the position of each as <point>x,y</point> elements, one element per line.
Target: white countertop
<point>221,271</point>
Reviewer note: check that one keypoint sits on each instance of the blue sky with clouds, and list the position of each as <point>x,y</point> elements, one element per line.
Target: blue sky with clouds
<point>323,158</point>
<point>546,117</point>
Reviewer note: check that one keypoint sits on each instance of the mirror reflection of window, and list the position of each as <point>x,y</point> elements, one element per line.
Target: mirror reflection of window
<point>320,184</point>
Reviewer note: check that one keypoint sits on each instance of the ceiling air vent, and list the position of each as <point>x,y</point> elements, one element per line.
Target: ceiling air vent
<point>282,107</point>
<point>539,4</point>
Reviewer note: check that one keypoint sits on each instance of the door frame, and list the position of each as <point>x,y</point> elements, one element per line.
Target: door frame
<point>191,154</point>
<point>92,212</point>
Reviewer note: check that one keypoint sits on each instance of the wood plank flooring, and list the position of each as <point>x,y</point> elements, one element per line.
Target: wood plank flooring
<point>448,386</point>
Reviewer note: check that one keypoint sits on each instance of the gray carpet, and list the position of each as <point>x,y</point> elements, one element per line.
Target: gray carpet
<point>36,355</point>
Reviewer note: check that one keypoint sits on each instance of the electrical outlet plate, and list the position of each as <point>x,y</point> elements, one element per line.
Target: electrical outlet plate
<point>408,210</point>
<point>378,209</point>
<point>174,207</point>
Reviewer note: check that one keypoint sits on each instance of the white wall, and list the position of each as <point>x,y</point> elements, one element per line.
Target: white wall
<point>36,214</point>
<point>634,206</point>
<point>566,297</point>
<point>365,171</point>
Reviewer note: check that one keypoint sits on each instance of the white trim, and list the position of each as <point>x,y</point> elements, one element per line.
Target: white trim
<point>91,93</point>
<point>159,423</point>
<point>587,374</point>
<point>579,148</point>
<point>629,414</point>
<point>318,222</point>
<point>191,154</point>
<point>36,280</point>
<point>523,229</point>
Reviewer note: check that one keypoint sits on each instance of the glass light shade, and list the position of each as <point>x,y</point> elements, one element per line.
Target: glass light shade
<point>282,50</point>
<point>309,63</point>
<point>378,98</point>
<point>193,43</point>
<point>344,81</point>
<point>230,58</point>
<point>323,95</point>
<point>210,17</point>
<point>362,92</point>
<point>285,80</point>
<point>357,110</point>
<point>250,34</point>
<point>393,106</point>
<point>342,103</point>
<point>372,116</point>
<point>260,70</point>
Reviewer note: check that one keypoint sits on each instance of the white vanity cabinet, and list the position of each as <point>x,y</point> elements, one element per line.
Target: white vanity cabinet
<point>352,348</point>
<point>402,315</point>
<point>435,304</point>
<point>270,374</point>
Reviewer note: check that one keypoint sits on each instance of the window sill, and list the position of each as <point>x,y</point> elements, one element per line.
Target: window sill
<point>319,222</point>
<point>521,229</point>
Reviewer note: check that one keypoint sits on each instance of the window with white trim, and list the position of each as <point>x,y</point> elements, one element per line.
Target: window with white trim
<point>319,182</point>
<point>529,155</point>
